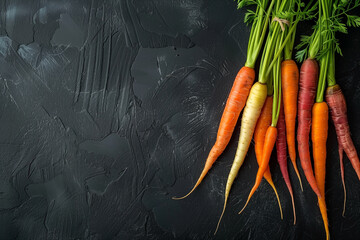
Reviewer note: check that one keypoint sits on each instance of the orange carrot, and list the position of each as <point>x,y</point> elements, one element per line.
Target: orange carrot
<point>319,133</point>
<point>234,105</point>
<point>262,125</point>
<point>270,139</point>
<point>290,87</point>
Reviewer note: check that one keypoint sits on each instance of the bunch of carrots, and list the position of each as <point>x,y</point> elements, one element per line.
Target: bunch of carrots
<point>282,94</point>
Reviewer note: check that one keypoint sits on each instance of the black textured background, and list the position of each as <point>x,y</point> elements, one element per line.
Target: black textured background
<point>109,108</point>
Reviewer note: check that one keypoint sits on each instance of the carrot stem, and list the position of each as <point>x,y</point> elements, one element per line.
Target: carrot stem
<point>331,72</point>
<point>254,46</point>
<point>277,87</point>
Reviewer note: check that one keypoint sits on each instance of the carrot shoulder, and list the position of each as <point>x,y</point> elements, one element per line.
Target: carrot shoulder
<point>234,104</point>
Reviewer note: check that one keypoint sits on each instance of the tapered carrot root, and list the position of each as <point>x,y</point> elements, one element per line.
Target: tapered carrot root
<point>270,139</point>
<point>262,125</point>
<point>308,81</point>
<point>252,111</point>
<point>336,100</point>
<point>322,206</point>
<point>341,151</point>
<point>270,181</point>
<point>290,88</point>
<point>281,156</point>
<point>235,103</point>
<point>319,133</point>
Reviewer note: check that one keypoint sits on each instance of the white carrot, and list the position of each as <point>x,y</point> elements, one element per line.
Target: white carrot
<point>252,110</point>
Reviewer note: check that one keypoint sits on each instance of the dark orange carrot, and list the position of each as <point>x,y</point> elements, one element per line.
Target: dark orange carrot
<point>336,100</point>
<point>319,132</point>
<point>290,87</point>
<point>308,81</point>
<point>270,139</point>
<point>281,155</point>
<point>262,125</point>
<point>234,104</point>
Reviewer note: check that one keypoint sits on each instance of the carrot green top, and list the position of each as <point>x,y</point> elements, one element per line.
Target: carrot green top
<point>259,27</point>
<point>298,15</point>
<point>324,33</point>
<point>272,43</point>
<point>270,87</point>
<point>285,14</point>
<point>339,9</point>
<point>322,43</point>
<point>330,22</point>
<point>284,22</point>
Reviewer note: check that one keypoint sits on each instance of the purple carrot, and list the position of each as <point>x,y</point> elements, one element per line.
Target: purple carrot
<point>337,104</point>
<point>281,154</point>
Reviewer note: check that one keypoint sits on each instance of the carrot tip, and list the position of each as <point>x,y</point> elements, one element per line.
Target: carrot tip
<point>244,206</point>
<point>278,199</point>
<point>293,205</point>
<point>342,176</point>
<point>343,212</point>
<point>298,175</point>
<point>179,198</point>
<point>222,214</point>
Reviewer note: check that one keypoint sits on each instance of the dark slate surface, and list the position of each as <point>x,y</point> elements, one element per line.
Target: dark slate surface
<point>109,108</point>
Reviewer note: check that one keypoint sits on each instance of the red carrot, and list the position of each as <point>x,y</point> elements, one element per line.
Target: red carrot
<point>308,82</point>
<point>281,155</point>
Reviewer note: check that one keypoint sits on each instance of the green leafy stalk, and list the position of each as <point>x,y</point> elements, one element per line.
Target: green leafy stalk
<point>339,9</point>
<point>323,49</point>
<point>277,86</point>
<point>336,13</point>
<point>331,22</point>
<point>311,44</point>
<point>277,54</point>
<point>324,63</point>
<point>271,41</point>
<point>258,29</point>
<point>289,45</point>
<point>270,87</point>
<point>299,15</point>
<point>331,71</point>
<point>268,53</point>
